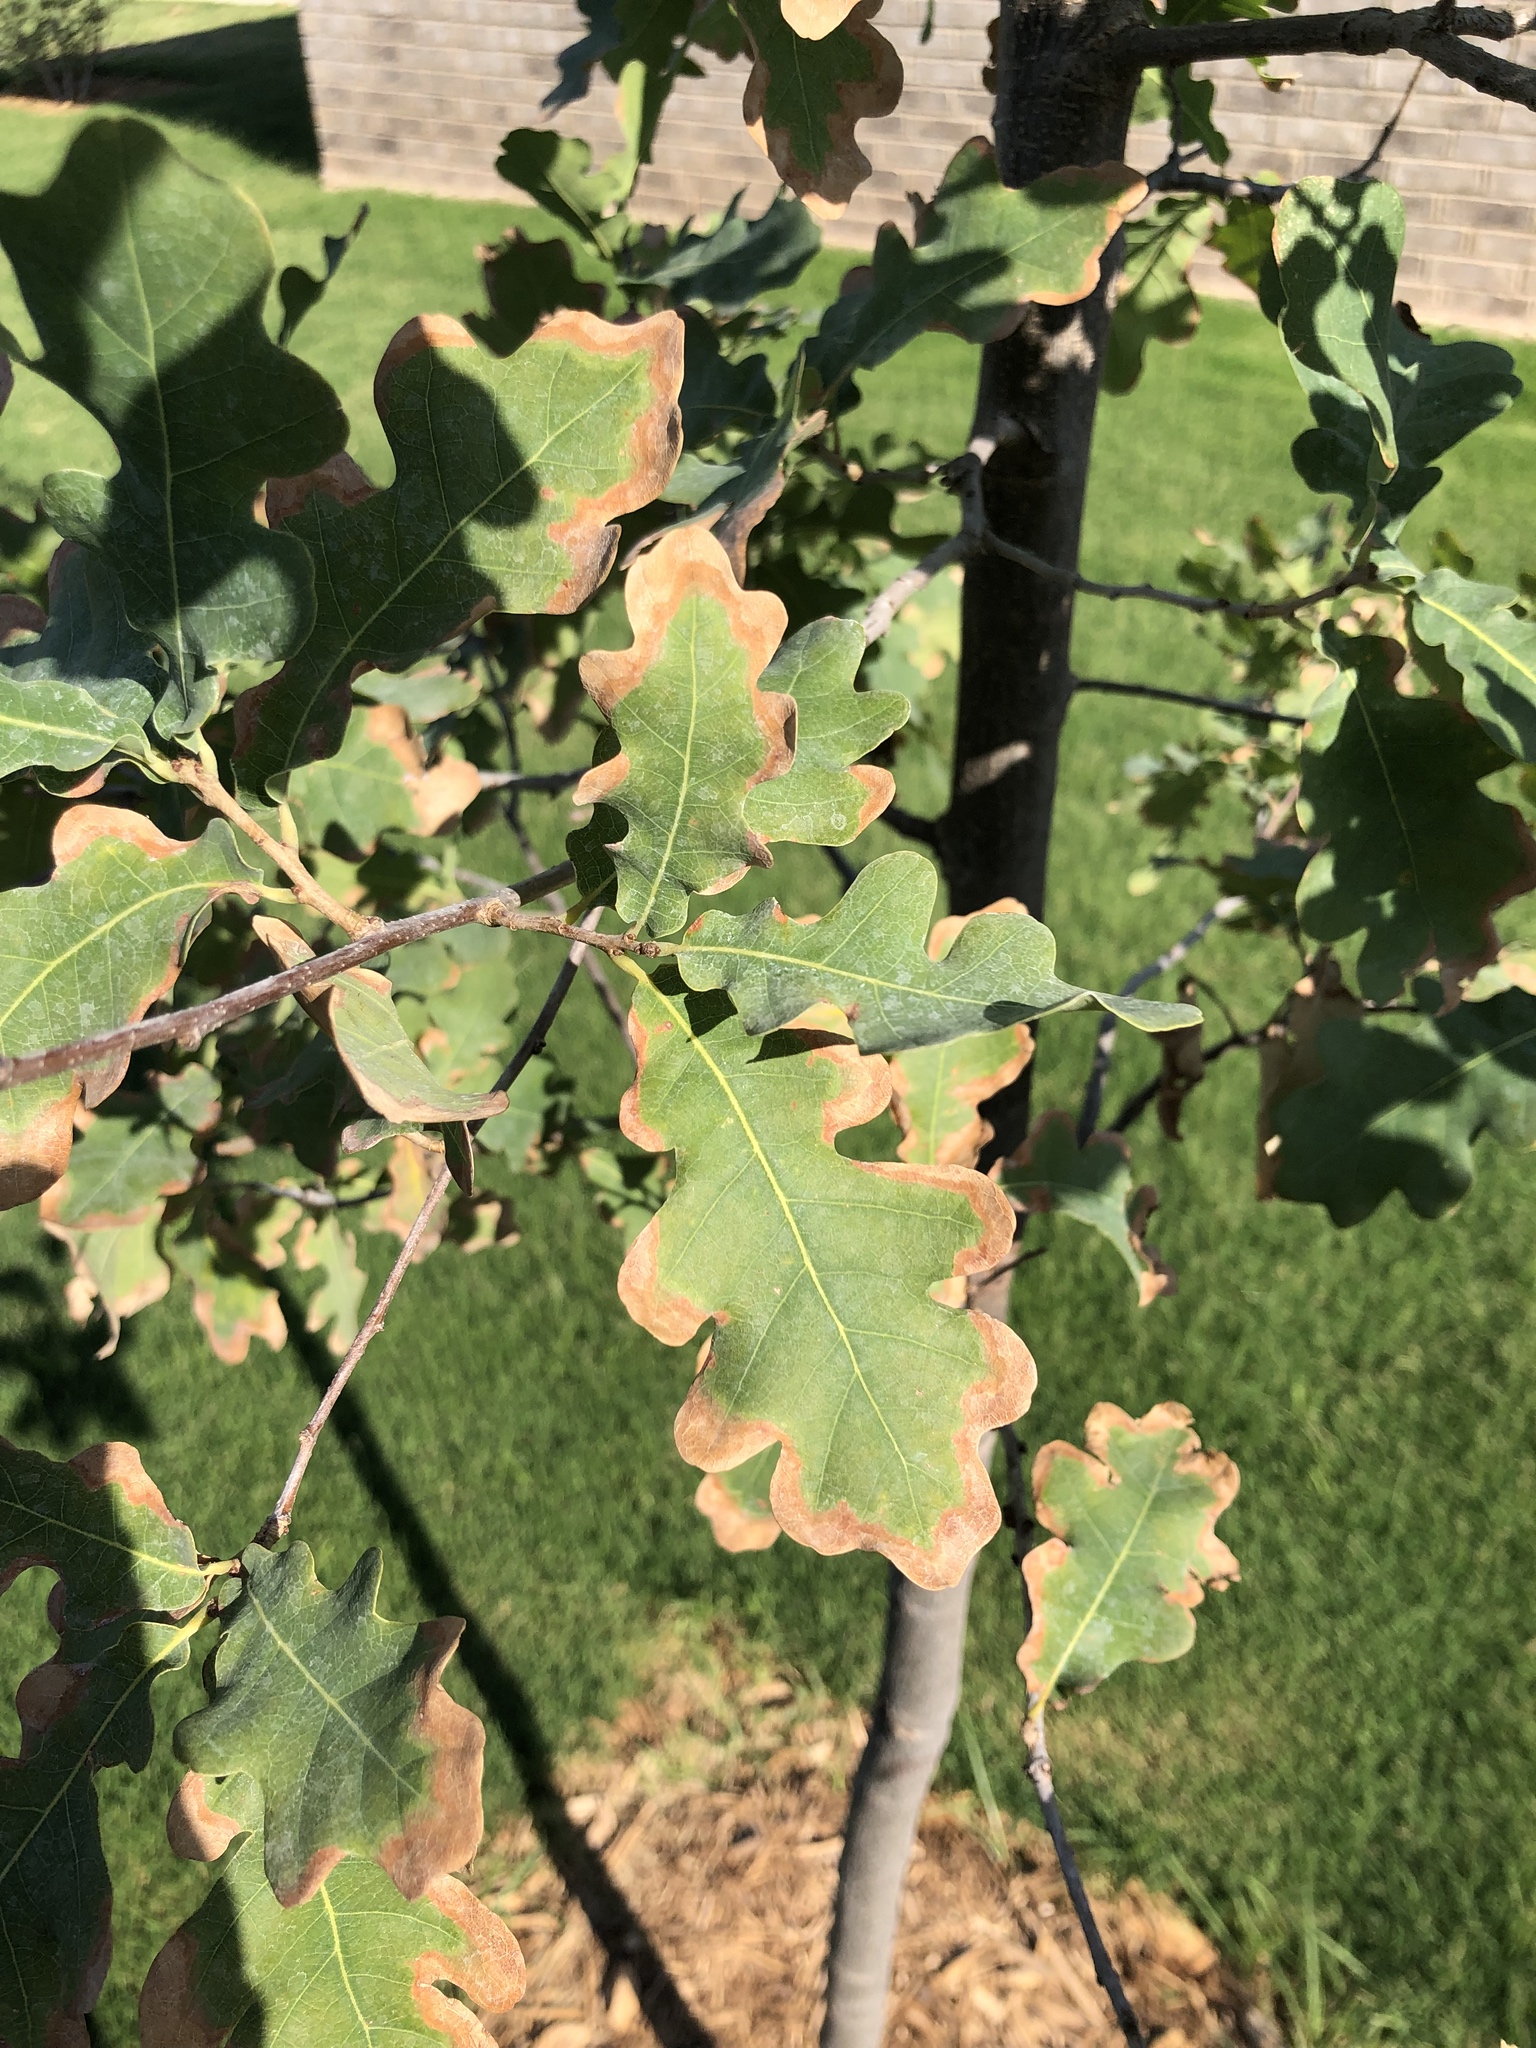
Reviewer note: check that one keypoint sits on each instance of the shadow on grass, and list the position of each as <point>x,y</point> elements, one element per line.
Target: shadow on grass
<point>246,80</point>
<point>74,1394</point>
<point>612,1918</point>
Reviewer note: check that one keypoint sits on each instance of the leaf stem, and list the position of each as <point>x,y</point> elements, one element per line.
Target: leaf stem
<point>200,776</point>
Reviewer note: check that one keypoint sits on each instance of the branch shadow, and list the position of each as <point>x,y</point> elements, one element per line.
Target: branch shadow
<point>613,1919</point>
<point>74,1395</point>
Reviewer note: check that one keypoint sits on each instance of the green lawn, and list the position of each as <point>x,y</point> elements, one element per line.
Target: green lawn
<point>1349,1754</point>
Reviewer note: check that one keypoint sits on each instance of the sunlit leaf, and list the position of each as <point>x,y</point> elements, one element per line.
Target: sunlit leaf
<point>826,799</point>
<point>118,1169</point>
<point>938,1089</point>
<point>336,1305</point>
<point>231,1296</point>
<point>1492,649</point>
<point>804,100</point>
<point>101,1524</point>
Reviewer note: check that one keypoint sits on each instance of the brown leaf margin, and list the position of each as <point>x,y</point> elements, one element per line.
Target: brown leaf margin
<point>715,1442</point>
<point>1217,1568</point>
<point>98,1466</point>
<point>688,561</point>
<point>813,19</point>
<point>826,193</point>
<point>733,1527</point>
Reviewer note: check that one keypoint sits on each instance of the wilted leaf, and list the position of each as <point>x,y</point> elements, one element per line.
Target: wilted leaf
<point>1416,856</point>
<point>1134,1546</point>
<point>355,1966</point>
<point>736,1503</point>
<point>825,799</point>
<point>804,100</point>
<point>1154,300</point>
<point>1400,1103</point>
<point>147,281</point>
<point>1491,648</point>
<point>323,1246</point>
<point>342,1720</point>
<point>869,956</point>
<point>86,1710</point>
<point>101,1524</point>
<point>357,1013</point>
<point>695,732</point>
<point>525,281</point>
<point>1050,1172</point>
<point>231,1297</point>
<point>508,476</point>
<point>983,251</point>
<point>90,949</point>
<point>733,264</point>
<point>877,1393</point>
<point>938,1089</point>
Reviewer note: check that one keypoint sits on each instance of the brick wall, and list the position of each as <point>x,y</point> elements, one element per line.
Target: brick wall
<point>418,93</point>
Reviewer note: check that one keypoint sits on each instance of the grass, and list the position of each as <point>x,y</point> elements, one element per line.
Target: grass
<point>1347,1761</point>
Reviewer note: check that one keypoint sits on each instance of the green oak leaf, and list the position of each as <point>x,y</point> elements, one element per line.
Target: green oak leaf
<point>508,476</point>
<point>695,732</point>
<point>119,1169</point>
<point>938,1090</point>
<point>86,638</point>
<point>117,1265</point>
<point>869,956</point>
<point>456,995</point>
<point>1387,400</point>
<point>1401,1103</point>
<point>342,1720</point>
<point>45,723</point>
<point>556,172</point>
<point>1491,648</point>
<point>1132,1549</point>
<point>90,949</point>
<point>734,263</point>
<point>147,282</point>
<point>355,1967</point>
<point>361,788</point>
<point>524,282</point>
<point>336,1305</point>
<point>877,1393</point>
<point>1417,857</point>
<point>231,1295</point>
<point>1052,1174</point>
<point>100,1523</point>
<point>1154,300</point>
<point>87,1710</point>
<point>626,1191</point>
<point>825,799</point>
<point>718,394</point>
<point>805,99</point>
<point>737,1504</point>
<point>982,252</point>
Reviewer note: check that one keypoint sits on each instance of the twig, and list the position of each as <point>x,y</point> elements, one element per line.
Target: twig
<point>924,830</point>
<point>275,1527</point>
<point>1104,1044</point>
<point>1215,184</point>
<point>881,614</point>
<point>189,1027</point>
<point>1365,169</point>
<point>1133,1106</point>
<point>530,785</point>
<point>1039,1766</point>
<point>1272,608</point>
<point>202,779</point>
<point>1259,713</point>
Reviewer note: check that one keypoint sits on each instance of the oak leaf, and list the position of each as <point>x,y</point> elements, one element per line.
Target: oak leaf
<point>1491,647</point>
<point>828,794</point>
<point>739,259</point>
<point>817,1271</point>
<point>1051,1173</point>
<point>231,1298</point>
<point>101,1524</point>
<point>1154,300</point>
<point>525,281</point>
<point>736,1504</point>
<point>804,100</point>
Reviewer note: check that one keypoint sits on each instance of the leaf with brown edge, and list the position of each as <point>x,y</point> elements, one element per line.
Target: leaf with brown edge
<point>817,1272</point>
<point>1051,1173</point>
<point>736,1504</point>
<point>1132,1549</point>
<point>120,1267</point>
<point>509,477</point>
<point>93,947</point>
<point>356,1965</point>
<point>937,1090</point>
<point>804,99</point>
<point>829,793</point>
<point>357,1013</point>
<point>695,733</point>
<point>814,19</point>
<point>342,1720</point>
<point>231,1297</point>
<point>101,1523</point>
<point>336,1305</point>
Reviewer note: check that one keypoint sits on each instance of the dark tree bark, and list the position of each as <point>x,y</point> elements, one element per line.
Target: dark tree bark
<point>1058,103</point>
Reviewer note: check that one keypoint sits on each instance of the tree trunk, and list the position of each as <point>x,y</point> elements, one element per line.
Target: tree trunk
<point>1033,430</point>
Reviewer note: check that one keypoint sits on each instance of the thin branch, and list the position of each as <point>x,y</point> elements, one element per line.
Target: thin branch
<point>189,1027</point>
<point>1433,33</point>
<point>530,785</point>
<point>1134,1105</point>
<point>1357,574</point>
<point>1104,1044</point>
<point>924,830</point>
<point>275,1527</point>
<point>881,614</point>
<point>1039,1766</point>
<point>202,779</point>
<point>1364,170</point>
<point>1215,184</point>
<point>1232,705</point>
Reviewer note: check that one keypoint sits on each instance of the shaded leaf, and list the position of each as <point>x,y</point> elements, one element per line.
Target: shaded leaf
<point>336,1305</point>
<point>342,1720</point>
<point>357,1013</point>
<point>231,1298</point>
<point>86,638</point>
<point>146,281</point>
<point>695,732</point>
<point>1491,648</point>
<point>556,173</point>
<point>537,1104</point>
<point>869,956</point>
<point>1051,1173</point>
<point>718,395</point>
<point>524,282</point>
<point>509,475</point>
<point>355,1966</point>
<point>119,1267</point>
<point>804,100</point>
<point>736,1504</point>
<point>483,1223</point>
<point>938,1089</point>
<point>1417,857</point>
<point>119,1168</point>
<point>1133,1547</point>
<point>378,779</point>
<point>101,1524</point>
<point>1154,300</point>
<point>876,1392</point>
<point>90,949</point>
<point>455,995</point>
<point>626,1191</point>
<point>299,293</point>
<point>732,264</point>
<point>1399,1104</point>
<point>982,252</point>
<point>824,799</point>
